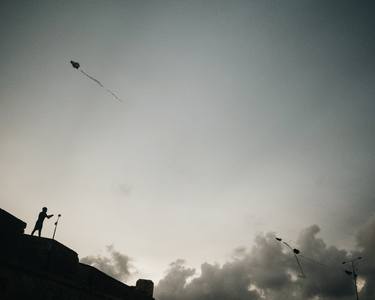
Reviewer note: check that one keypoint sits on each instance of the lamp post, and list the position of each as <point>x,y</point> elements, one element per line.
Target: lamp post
<point>295,253</point>
<point>353,272</point>
<point>56,223</point>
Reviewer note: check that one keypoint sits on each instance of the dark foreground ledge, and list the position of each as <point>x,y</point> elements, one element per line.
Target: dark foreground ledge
<point>40,268</point>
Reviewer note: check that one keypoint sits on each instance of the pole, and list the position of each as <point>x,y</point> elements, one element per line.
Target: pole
<point>295,253</point>
<point>302,275</point>
<point>353,273</point>
<point>57,222</point>
<point>355,280</point>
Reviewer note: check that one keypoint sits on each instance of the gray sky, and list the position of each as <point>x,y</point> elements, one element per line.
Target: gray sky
<point>239,117</point>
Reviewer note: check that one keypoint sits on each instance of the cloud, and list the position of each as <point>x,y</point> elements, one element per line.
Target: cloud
<point>115,264</point>
<point>269,271</point>
<point>366,244</point>
<point>215,282</point>
<point>173,284</point>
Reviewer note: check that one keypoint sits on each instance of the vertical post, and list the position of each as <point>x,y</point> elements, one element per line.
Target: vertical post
<point>353,273</point>
<point>355,280</point>
<point>54,231</point>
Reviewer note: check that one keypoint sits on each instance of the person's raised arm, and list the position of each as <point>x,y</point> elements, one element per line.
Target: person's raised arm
<point>49,216</point>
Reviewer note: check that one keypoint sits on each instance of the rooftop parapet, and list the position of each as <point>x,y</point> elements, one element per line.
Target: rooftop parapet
<point>10,225</point>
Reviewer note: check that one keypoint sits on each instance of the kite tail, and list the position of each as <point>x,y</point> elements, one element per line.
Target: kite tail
<point>113,94</point>
<point>101,85</point>
<point>92,78</point>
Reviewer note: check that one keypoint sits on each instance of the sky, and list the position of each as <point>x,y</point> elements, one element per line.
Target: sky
<point>239,119</point>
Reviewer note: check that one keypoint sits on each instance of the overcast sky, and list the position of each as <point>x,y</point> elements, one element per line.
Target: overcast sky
<point>238,117</point>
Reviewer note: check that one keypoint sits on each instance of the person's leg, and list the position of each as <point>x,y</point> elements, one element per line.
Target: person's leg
<point>39,231</point>
<point>32,233</point>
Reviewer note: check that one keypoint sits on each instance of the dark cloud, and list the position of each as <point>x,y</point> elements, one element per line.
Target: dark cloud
<point>173,284</point>
<point>227,282</point>
<point>269,271</point>
<point>114,264</point>
<point>366,244</point>
<point>266,271</point>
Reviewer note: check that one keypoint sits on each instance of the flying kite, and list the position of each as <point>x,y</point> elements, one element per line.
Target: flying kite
<point>77,66</point>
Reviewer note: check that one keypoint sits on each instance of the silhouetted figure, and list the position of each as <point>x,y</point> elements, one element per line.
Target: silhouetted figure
<point>39,223</point>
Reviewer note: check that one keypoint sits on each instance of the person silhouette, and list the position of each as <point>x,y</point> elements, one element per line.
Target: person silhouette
<point>39,223</point>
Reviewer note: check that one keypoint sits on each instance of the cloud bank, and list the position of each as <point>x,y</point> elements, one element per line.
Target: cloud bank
<point>114,264</point>
<point>269,271</point>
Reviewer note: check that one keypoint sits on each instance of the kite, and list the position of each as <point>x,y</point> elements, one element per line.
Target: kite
<point>77,66</point>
